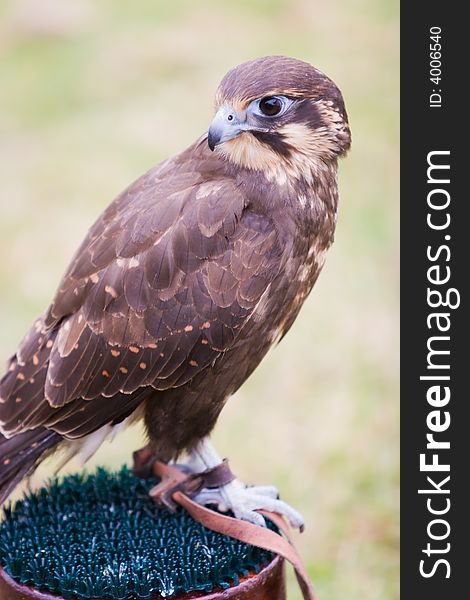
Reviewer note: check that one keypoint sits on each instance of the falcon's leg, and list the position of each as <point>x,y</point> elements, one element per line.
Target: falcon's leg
<point>241,499</point>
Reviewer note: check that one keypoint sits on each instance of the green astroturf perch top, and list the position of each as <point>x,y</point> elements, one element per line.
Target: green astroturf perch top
<point>100,536</point>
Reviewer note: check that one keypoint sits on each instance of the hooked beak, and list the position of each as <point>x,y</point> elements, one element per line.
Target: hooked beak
<point>226,125</point>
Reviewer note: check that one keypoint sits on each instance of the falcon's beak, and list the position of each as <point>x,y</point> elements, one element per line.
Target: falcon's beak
<point>226,125</point>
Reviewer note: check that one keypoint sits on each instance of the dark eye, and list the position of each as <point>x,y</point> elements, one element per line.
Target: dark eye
<point>270,106</point>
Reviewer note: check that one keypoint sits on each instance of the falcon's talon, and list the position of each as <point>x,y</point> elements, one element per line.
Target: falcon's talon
<point>244,501</point>
<point>241,499</point>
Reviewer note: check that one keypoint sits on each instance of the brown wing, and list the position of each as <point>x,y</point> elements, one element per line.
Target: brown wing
<point>161,286</point>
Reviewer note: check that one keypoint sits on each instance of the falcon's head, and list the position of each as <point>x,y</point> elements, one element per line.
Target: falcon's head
<point>279,115</point>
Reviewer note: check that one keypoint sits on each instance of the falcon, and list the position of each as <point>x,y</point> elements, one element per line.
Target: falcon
<point>184,283</point>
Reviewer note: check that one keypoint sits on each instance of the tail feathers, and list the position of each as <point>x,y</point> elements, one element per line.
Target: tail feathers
<point>20,455</point>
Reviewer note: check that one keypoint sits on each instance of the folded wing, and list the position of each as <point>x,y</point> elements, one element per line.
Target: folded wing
<point>162,285</point>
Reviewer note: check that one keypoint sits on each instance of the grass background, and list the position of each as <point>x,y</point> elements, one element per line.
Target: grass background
<point>94,93</point>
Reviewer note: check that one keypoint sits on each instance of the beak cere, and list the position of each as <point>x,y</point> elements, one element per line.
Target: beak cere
<point>225,126</point>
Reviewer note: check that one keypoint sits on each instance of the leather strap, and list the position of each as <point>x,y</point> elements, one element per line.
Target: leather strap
<point>236,528</point>
<point>174,479</point>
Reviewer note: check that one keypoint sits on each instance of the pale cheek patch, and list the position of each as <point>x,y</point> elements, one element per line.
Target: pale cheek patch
<point>305,161</point>
<point>308,142</point>
<point>298,136</point>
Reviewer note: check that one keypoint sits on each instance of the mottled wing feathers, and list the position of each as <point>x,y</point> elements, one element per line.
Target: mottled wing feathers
<point>160,287</point>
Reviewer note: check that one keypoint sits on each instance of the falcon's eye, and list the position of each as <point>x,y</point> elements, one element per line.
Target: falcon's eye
<point>271,106</point>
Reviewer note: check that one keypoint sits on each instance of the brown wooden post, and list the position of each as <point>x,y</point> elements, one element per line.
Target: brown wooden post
<point>268,584</point>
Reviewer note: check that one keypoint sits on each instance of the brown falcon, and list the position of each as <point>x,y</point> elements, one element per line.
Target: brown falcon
<point>184,283</point>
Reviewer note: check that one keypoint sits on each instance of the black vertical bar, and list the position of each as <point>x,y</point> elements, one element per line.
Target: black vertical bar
<point>435,560</point>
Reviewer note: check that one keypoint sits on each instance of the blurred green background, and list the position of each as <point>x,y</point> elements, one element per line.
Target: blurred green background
<point>93,93</point>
